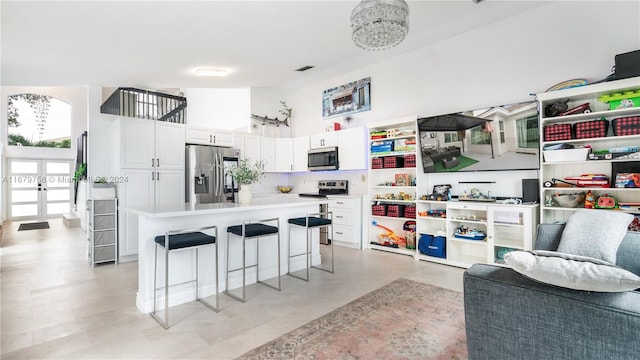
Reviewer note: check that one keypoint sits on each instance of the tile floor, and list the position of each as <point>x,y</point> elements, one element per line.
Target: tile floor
<point>54,305</point>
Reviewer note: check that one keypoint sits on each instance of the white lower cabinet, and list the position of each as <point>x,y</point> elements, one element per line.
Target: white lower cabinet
<point>507,228</point>
<point>145,188</point>
<point>347,221</point>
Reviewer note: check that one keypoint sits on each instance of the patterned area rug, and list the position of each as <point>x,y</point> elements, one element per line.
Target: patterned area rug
<point>402,320</point>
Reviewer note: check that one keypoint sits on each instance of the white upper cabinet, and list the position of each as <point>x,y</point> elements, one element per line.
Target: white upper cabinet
<point>268,153</point>
<point>323,140</point>
<point>300,153</point>
<point>206,136</point>
<point>284,154</point>
<point>151,144</point>
<point>352,148</point>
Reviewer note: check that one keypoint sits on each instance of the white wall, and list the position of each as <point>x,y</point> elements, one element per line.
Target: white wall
<point>501,63</point>
<point>224,109</point>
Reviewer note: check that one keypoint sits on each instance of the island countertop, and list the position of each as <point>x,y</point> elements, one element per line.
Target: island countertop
<point>188,209</point>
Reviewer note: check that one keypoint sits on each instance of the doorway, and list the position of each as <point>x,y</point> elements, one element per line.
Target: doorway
<point>39,189</point>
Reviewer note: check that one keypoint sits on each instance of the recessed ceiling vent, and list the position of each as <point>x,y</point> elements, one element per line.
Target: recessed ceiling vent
<point>305,68</point>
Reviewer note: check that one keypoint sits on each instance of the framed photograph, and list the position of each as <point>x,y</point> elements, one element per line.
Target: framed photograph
<point>347,99</point>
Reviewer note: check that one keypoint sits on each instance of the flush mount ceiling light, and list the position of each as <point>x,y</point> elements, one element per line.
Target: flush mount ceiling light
<point>379,24</point>
<point>211,71</point>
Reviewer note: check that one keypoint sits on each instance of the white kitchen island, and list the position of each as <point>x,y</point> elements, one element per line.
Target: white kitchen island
<point>153,221</point>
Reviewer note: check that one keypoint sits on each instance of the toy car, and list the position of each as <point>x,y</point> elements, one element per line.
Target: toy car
<point>584,108</point>
<point>590,180</point>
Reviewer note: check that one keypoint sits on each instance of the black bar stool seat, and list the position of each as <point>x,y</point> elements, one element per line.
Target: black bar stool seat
<point>310,222</point>
<point>247,231</point>
<point>178,240</point>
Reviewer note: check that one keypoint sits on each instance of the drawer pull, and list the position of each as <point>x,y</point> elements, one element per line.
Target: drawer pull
<point>339,233</point>
<point>339,203</point>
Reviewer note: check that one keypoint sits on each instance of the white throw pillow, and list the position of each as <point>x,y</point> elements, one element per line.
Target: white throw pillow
<point>595,233</point>
<point>572,271</point>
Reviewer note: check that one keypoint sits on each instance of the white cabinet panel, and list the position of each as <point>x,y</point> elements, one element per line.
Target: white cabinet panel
<point>222,138</point>
<point>137,141</point>
<point>352,149</point>
<point>138,190</point>
<point>168,184</point>
<point>268,153</point>
<point>284,155</point>
<point>300,153</point>
<point>206,136</point>
<point>323,140</point>
<point>251,148</point>
<point>169,146</point>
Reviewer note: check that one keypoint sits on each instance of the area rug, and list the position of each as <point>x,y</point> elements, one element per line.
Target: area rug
<point>402,320</point>
<point>34,226</point>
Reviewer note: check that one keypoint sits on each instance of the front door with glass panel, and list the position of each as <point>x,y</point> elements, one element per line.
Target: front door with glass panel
<point>39,188</point>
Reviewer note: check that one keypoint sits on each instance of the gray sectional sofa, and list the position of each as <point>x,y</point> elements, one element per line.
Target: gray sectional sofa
<point>509,316</point>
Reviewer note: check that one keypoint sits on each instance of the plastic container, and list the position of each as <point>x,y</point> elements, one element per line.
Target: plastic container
<point>566,155</point>
<point>622,100</point>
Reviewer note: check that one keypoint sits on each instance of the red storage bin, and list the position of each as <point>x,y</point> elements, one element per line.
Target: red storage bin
<point>626,126</point>
<point>558,132</point>
<point>376,163</point>
<point>393,162</point>
<point>410,211</point>
<point>379,210</point>
<point>410,161</point>
<point>395,210</point>
<point>591,129</point>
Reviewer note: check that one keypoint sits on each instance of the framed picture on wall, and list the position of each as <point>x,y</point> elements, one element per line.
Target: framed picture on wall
<point>347,99</point>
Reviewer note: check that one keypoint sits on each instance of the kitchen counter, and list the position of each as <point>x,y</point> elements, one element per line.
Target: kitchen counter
<point>153,221</point>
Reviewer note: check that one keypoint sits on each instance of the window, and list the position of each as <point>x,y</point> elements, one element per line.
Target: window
<point>502,138</point>
<point>451,137</point>
<point>527,132</point>
<point>38,120</point>
<point>479,137</point>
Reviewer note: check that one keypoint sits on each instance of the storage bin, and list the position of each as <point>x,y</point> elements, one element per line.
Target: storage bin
<point>626,126</point>
<point>383,146</point>
<point>376,163</point>
<point>410,161</point>
<point>393,162</point>
<point>395,210</point>
<point>622,100</point>
<point>404,144</point>
<point>566,155</point>
<point>432,245</point>
<point>379,210</point>
<point>410,211</point>
<point>107,237</point>
<point>591,129</point>
<point>558,132</point>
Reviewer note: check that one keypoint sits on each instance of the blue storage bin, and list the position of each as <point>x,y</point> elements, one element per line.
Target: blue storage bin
<point>433,245</point>
<point>382,146</point>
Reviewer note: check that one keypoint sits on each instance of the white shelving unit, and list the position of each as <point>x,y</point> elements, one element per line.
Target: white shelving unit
<point>382,181</point>
<point>550,212</point>
<point>102,230</point>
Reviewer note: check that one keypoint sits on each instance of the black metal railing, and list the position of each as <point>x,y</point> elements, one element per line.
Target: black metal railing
<point>146,104</point>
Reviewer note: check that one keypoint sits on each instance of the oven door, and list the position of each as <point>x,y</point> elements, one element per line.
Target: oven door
<point>323,159</point>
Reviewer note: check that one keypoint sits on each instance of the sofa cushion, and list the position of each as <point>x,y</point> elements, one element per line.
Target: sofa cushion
<point>595,233</point>
<point>572,271</point>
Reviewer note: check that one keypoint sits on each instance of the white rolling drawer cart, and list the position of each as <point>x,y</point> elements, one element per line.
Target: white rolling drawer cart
<point>102,230</point>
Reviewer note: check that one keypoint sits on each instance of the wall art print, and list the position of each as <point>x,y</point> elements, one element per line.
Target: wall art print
<point>347,99</point>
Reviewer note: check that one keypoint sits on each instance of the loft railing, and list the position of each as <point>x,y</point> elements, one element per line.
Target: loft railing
<point>146,104</point>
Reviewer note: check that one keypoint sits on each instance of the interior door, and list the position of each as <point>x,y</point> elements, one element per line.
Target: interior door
<point>39,189</point>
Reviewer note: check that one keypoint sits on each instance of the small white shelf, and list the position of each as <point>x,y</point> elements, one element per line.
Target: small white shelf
<point>467,241</point>
<point>402,251</point>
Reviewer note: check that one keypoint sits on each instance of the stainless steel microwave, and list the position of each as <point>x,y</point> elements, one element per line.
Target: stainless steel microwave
<point>325,158</point>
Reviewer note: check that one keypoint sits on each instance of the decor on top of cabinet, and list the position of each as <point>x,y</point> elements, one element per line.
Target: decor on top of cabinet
<point>347,99</point>
<point>476,191</point>
<point>440,193</point>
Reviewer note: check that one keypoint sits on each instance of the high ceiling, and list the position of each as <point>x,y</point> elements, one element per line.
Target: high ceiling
<point>157,44</point>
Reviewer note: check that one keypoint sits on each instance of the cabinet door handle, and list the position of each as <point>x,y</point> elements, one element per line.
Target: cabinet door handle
<point>214,139</point>
<point>153,175</point>
<point>339,217</point>
<point>210,138</point>
<point>339,203</point>
<point>152,161</point>
<point>157,162</point>
<point>339,232</point>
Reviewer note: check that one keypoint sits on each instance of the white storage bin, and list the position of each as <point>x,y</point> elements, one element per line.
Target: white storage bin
<point>566,155</point>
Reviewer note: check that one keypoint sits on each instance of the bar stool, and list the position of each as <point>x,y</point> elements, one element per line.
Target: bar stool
<point>310,222</point>
<point>247,231</point>
<point>177,240</point>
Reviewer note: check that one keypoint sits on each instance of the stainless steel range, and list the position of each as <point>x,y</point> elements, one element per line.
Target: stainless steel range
<point>328,187</point>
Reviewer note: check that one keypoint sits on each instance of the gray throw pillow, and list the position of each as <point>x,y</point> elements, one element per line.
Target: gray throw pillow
<point>595,233</point>
<point>572,271</point>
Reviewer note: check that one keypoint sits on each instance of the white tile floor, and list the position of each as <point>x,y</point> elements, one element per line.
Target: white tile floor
<point>54,305</point>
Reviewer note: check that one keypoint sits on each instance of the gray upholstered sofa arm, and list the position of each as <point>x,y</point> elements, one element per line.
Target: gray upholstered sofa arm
<point>508,316</point>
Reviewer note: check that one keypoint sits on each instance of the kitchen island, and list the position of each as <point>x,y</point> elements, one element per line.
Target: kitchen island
<point>154,221</point>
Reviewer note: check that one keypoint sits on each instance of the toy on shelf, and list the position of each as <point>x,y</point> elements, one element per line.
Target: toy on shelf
<point>464,232</point>
<point>389,238</point>
<point>583,108</point>
<point>590,180</point>
<point>589,200</point>
<point>606,201</point>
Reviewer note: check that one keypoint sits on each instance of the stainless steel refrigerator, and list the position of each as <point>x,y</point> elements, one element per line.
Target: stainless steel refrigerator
<point>207,177</point>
